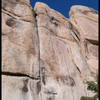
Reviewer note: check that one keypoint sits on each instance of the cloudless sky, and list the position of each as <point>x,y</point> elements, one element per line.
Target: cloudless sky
<point>63,6</point>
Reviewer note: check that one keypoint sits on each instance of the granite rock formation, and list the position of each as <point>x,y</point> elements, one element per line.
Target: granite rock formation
<point>46,56</point>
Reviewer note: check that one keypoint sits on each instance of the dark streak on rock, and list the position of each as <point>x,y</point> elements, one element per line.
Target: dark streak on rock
<point>38,87</point>
<point>43,75</point>
<point>71,80</point>
<point>63,79</point>
<point>94,42</point>
<point>50,98</point>
<point>25,88</point>
<point>11,22</point>
<point>19,75</point>
<point>78,69</point>
<point>35,15</point>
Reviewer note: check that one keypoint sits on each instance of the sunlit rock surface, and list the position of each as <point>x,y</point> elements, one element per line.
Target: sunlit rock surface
<point>46,56</point>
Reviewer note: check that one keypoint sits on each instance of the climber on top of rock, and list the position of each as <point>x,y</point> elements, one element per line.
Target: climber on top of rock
<point>51,17</point>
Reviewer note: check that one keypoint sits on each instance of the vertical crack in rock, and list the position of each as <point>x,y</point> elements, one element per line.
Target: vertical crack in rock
<point>39,84</point>
<point>41,69</point>
<point>36,29</point>
<point>75,33</point>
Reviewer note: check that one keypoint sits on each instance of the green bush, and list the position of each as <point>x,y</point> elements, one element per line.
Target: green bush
<point>89,98</point>
<point>92,86</point>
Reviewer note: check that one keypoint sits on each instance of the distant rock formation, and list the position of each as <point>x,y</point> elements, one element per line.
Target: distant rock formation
<point>46,56</point>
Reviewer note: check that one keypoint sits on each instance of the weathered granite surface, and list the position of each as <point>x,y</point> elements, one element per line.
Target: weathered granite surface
<point>45,57</point>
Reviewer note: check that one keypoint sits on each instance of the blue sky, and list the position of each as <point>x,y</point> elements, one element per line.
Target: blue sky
<point>63,6</point>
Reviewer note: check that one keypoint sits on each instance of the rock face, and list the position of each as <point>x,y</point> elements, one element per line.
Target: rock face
<point>46,56</point>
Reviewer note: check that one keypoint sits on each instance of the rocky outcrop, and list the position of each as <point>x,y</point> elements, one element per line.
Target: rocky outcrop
<point>46,56</point>
<point>86,22</point>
